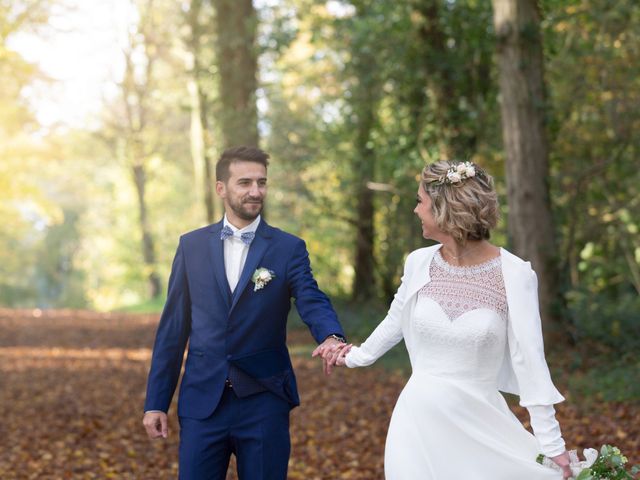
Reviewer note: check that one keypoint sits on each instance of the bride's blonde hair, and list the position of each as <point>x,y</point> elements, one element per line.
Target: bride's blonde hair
<point>465,208</point>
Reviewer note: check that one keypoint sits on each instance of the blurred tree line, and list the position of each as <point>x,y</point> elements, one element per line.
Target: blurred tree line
<point>351,99</point>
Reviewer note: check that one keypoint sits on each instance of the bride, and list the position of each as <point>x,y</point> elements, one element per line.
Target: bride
<point>468,313</point>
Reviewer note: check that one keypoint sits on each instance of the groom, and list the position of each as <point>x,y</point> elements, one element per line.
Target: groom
<point>229,294</point>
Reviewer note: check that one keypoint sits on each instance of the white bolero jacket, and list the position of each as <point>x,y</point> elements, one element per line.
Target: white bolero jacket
<point>524,370</point>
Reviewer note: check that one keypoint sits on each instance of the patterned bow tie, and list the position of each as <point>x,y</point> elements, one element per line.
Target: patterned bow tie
<point>246,237</point>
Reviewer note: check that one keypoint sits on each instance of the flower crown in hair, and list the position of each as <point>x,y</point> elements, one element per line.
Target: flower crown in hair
<point>457,174</point>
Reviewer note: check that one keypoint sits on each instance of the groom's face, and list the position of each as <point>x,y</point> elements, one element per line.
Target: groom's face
<point>245,190</point>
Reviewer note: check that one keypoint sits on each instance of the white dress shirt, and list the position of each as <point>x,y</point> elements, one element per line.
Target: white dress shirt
<point>235,251</point>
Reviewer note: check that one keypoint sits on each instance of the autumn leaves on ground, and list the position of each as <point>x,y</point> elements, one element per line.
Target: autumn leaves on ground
<point>72,389</point>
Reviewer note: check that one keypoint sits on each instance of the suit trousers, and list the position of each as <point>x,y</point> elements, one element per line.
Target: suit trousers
<point>255,429</point>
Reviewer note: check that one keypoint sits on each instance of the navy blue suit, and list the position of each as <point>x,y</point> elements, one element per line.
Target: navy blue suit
<point>241,336</point>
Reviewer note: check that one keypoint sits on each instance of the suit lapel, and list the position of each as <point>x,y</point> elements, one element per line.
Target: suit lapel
<point>217,263</point>
<point>256,252</point>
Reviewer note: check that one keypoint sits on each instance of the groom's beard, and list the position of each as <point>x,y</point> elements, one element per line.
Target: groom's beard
<point>247,208</point>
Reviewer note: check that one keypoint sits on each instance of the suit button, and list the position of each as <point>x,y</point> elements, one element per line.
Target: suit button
<point>228,357</point>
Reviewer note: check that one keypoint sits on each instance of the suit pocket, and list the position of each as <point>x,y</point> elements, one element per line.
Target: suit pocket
<point>282,386</point>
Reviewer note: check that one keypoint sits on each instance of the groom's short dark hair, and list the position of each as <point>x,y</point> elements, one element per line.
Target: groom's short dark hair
<point>239,154</point>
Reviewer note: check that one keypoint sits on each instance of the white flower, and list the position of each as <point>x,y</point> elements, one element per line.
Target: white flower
<point>590,456</point>
<point>264,275</point>
<point>261,277</point>
<point>454,177</point>
<point>457,174</point>
<point>575,464</point>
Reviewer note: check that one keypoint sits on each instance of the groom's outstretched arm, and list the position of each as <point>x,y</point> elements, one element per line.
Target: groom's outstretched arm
<point>312,304</point>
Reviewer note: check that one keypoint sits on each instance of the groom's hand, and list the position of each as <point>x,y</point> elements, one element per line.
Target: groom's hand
<point>156,424</point>
<point>327,350</point>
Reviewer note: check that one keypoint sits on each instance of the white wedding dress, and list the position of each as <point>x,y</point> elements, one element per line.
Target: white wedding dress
<point>450,421</point>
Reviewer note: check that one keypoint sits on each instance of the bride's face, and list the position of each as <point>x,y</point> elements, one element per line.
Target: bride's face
<point>423,210</point>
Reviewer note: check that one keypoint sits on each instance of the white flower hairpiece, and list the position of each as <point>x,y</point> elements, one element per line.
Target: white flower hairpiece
<point>457,174</point>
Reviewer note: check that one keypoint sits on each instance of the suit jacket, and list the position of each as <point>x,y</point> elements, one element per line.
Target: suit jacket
<point>244,330</point>
<point>524,369</point>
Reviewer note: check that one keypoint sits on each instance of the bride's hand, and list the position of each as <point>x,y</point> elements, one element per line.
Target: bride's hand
<point>338,357</point>
<point>563,461</point>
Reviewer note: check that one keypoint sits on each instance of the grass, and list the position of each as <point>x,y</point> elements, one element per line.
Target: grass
<point>151,306</point>
<point>612,380</point>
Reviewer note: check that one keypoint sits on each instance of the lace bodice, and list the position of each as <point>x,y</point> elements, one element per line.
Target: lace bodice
<point>461,289</point>
<point>459,321</point>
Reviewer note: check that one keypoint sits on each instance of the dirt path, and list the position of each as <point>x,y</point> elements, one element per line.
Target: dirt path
<point>72,389</point>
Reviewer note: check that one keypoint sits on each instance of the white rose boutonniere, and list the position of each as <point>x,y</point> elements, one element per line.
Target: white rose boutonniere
<point>261,277</point>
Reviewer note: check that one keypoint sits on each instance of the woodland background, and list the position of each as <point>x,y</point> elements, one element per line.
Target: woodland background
<point>351,99</point>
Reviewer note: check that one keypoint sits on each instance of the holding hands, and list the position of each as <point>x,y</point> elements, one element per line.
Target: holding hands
<point>333,352</point>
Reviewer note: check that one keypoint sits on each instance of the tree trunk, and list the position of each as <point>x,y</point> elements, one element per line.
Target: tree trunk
<point>148,248</point>
<point>135,92</point>
<point>363,282</point>
<point>365,101</point>
<point>236,25</point>
<point>200,116</point>
<point>212,204</point>
<point>521,80</point>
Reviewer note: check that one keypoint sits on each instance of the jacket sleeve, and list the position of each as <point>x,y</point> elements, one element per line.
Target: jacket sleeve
<point>312,304</point>
<point>546,429</point>
<point>530,374</point>
<point>171,339</point>
<point>387,334</point>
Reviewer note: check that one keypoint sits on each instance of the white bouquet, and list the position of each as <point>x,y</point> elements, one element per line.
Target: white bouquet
<point>609,464</point>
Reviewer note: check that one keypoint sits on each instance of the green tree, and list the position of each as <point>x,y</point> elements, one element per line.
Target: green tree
<point>593,70</point>
<point>134,126</point>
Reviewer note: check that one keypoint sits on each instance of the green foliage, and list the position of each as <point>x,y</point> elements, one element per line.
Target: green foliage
<point>615,378</point>
<point>425,101</point>
<point>593,67</point>
<point>613,323</point>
